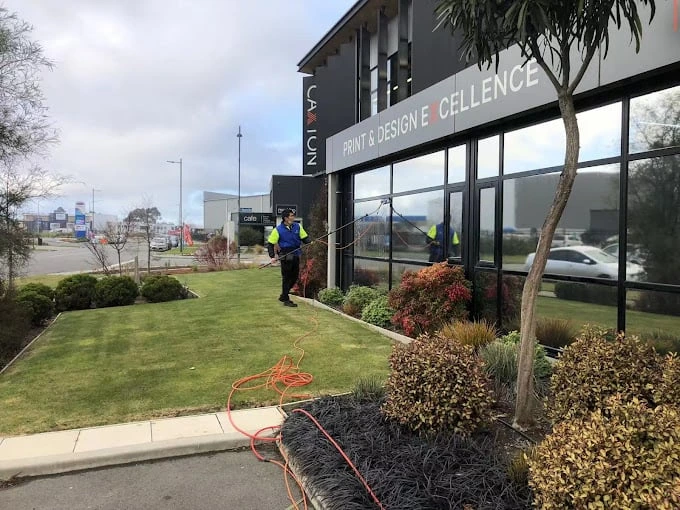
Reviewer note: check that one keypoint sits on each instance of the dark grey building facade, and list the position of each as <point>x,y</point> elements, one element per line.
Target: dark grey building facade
<point>433,138</point>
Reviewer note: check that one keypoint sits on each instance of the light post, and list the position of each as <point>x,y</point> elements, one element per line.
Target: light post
<point>238,235</point>
<point>181,220</point>
<point>93,227</point>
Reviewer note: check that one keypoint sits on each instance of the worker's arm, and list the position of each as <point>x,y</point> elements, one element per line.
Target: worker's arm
<point>432,234</point>
<point>303,236</point>
<point>273,244</point>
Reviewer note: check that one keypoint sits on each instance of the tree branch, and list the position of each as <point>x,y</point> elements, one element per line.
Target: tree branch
<point>582,71</point>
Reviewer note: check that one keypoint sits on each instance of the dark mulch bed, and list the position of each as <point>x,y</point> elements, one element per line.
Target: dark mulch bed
<point>404,470</point>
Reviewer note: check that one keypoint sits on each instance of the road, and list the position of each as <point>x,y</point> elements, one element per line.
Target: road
<point>227,480</point>
<point>66,257</point>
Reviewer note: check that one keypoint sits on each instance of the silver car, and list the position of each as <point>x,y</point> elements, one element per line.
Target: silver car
<point>585,261</point>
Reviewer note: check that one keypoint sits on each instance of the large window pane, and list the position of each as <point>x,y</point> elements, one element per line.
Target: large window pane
<point>371,273</point>
<point>655,317</point>
<point>398,271</point>
<point>589,222</point>
<point>654,218</point>
<point>414,216</point>
<point>486,296</point>
<point>488,156</point>
<point>457,166</point>
<point>371,233</point>
<point>422,172</point>
<point>655,121</point>
<point>543,145</point>
<point>487,224</point>
<point>576,303</point>
<point>456,224</point>
<point>372,183</point>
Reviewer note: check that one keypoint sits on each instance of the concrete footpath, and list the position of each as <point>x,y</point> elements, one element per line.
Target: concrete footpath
<point>86,448</point>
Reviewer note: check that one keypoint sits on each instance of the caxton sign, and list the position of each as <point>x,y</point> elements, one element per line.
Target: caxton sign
<point>310,121</point>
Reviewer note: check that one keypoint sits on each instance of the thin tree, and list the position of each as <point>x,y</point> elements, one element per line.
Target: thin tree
<point>145,218</point>
<point>549,31</point>
<point>100,255</point>
<point>117,235</point>
<point>24,132</point>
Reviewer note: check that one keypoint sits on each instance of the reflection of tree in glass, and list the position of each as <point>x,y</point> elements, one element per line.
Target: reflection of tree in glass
<point>654,201</point>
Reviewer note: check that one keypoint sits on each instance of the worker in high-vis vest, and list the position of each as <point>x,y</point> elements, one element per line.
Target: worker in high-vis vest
<point>435,238</point>
<point>284,244</point>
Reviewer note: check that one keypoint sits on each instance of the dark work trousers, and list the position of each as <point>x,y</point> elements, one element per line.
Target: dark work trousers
<point>290,269</point>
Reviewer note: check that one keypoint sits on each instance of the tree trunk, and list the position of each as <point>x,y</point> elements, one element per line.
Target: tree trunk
<point>120,268</point>
<point>525,369</point>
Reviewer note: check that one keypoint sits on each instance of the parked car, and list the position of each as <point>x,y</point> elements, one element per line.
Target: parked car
<point>159,244</point>
<point>566,240</point>
<point>174,241</point>
<point>586,261</point>
<point>634,254</point>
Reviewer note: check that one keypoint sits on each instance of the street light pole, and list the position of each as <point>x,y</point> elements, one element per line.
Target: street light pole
<point>181,219</point>
<point>239,136</point>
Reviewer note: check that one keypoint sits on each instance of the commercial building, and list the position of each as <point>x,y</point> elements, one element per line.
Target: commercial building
<point>410,135</point>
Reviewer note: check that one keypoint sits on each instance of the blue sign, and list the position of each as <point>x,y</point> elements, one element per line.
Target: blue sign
<point>80,226</point>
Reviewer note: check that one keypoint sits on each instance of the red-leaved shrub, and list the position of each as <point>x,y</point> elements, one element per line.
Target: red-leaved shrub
<point>429,298</point>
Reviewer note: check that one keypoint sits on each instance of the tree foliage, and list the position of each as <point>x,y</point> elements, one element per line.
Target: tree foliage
<point>144,215</point>
<point>551,32</point>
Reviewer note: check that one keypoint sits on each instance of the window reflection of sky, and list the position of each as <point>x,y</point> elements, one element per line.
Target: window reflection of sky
<point>422,172</point>
<point>372,183</point>
<point>654,120</point>
<point>543,145</point>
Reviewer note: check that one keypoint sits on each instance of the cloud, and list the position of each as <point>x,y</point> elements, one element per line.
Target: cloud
<point>138,83</point>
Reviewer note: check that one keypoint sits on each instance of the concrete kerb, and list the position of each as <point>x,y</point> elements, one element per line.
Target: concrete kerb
<point>62,463</point>
<point>385,332</point>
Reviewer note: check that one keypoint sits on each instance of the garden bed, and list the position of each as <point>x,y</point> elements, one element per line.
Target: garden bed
<point>404,470</point>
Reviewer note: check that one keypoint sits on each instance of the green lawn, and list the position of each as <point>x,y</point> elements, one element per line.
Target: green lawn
<point>121,364</point>
<point>186,250</point>
<point>637,323</point>
<point>47,279</point>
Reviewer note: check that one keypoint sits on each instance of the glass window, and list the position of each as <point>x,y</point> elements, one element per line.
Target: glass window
<point>399,269</point>
<point>422,172</point>
<point>486,296</point>
<point>371,273</point>
<point>655,316</point>
<point>655,121</point>
<point>456,224</point>
<point>589,222</point>
<point>654,220</point>
<point>577,304</point>
<point>373,183</point>
<point>488,151</point>
<point>457,166</point>
<point>543,145</point>
<point>413,218</point>
<point>371,233</point>
<point>487,224</point>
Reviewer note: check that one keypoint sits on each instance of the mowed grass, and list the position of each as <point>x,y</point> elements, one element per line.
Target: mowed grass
<point>114,365</point>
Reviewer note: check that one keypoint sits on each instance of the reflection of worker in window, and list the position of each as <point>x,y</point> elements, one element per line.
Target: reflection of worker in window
<point>435,237</point>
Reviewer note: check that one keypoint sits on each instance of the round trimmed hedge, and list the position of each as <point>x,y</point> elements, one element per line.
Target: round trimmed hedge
<point>39,307</point>
<point>116,291</point>
<point>76,292</point>
<point>40,288</point>
<point>160,288</point>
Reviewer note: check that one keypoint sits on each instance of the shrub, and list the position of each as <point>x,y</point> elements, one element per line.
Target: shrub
<point>39,307</point>
<point>555,333</point>
<point>663,303</point>
<point>116,291</point>
<point>542,366</point>
<point>668,390</point>
<point>429,298</point>
<point>15,323</point>
<point>378,312</point>
<point>40,288</point>
<point>331,296</point>
<point>248,236</point>
<point>216,252</point>
<point>475,334</point>
<point>593,369</point>
<point>586,293</point>
<point>358,297</point>
<point>365,277</point>
<point>369,389</point>
<point>500,359</point>
<point>436,385</point>
<point>619,457</point>
<point>663,342</point>
<point>312,277</point>
<point>75,292</point>
<point>159,288</point>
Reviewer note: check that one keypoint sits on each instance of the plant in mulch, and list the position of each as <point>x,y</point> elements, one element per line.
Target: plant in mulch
<point>357,298</point>
<point>475,334</point>
<point>378,312</point>
<point>429,298</point>
<point>331,296</point>
<point>404,470</point>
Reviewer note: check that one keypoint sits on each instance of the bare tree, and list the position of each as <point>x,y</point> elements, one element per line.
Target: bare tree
<point>117,235</point>
<point>24,132</point>
<point>550,32</point>
<point>100,256</point>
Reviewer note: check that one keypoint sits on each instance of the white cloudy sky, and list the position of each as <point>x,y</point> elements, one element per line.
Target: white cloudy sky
<point>138,82</point>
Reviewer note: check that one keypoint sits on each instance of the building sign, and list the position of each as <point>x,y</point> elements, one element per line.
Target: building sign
<point>60,216</point>
<point>282,207</point>
<point>257,219</point>
<point>310,139</point>
<point>80,226</point>
<point>474,97</point>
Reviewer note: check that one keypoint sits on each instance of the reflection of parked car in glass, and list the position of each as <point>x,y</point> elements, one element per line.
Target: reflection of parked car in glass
<point>566,240</point>
<point>159,244</point>
<point>586,261</point>
<point>174,241</point>
<point>634,254</point>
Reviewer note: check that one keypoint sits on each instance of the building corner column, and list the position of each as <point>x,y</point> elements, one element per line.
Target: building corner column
<point>333,183</point>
